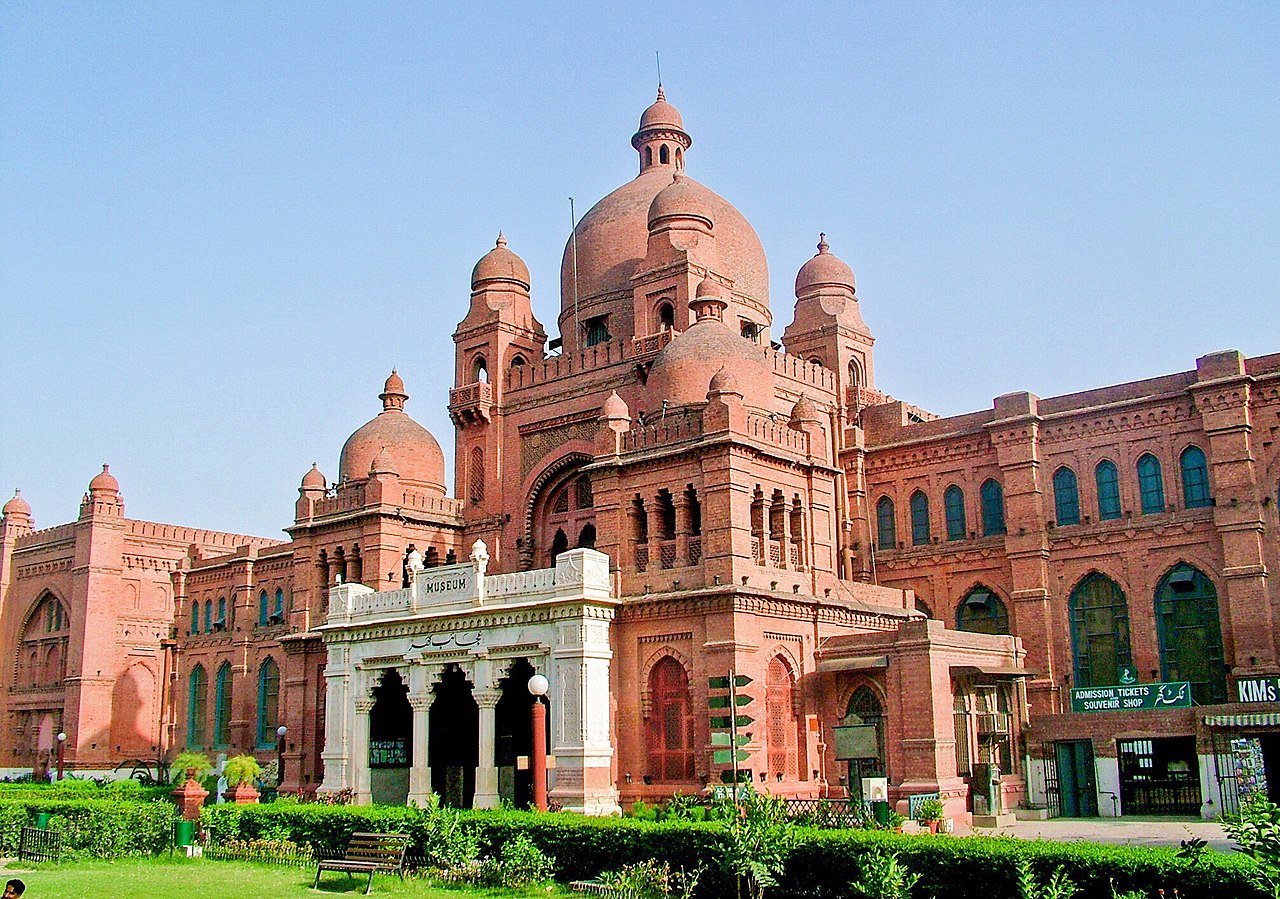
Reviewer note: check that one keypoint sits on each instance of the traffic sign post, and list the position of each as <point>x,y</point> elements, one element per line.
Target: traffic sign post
<point>733,752</point>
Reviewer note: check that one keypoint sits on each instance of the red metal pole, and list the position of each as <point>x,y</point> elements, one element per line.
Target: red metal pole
<point>62,745</point>
<point>538,756</point>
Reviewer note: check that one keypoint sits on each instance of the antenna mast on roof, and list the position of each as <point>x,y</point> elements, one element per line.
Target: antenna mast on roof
<point>573,241</point>
<point>658,56</point>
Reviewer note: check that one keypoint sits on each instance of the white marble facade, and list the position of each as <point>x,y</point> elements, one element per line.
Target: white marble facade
<point>556,619</point>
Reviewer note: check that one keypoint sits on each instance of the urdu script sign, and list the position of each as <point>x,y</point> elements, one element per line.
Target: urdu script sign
<point>1131,699</point>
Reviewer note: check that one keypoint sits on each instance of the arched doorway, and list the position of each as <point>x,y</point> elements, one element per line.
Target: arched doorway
<point>453,739</point>
<point>514,735</point>
<point>390,740</point>
<point>1190,633</point>
<point>865,708</point>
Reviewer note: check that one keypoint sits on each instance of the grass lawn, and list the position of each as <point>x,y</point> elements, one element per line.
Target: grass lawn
<point>183,878</point>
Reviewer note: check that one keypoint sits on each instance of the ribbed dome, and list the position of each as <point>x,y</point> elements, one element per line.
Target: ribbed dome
<point>804,410</point>
<point>613,238</point>
<point>313,479</point>
<point>500,264</point>
<point>682,373</point>
<point>824,270</point>
<point>104,482</point>
<point>418,457</point>
<point>16,507</point>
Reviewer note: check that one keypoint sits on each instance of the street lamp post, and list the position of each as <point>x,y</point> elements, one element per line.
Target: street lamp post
<point>62,746</point>
<point>280,732</point>
<point>538,754</point>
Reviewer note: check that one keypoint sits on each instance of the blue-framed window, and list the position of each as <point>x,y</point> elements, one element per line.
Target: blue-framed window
<point>1099,631</point>
<point>262,609</point>
<point>886,530</point>
<point>919,518</point>
<point>1150,484</point>
<point>208,616</point>
<point>953,503</point>
<point>1195,479</point>
<point>195,617</point>
<point>982,612</point>
<point>197,697</point>
<point>992,508</point>
<point>221,620</point>
<point>279,606</point>
<point>1066,496</point>
<point>268,702</point>
<point>1108,479</point>
<point>1190,633</point>
<point>222,708</point>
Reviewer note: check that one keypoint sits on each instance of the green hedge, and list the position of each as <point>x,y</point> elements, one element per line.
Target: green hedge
<point>100,828</point>
<point>85,789</point>
<point>821,866</point>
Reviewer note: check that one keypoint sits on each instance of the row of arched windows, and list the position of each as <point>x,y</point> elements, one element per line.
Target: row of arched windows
<point>1187,626</point>
<point>991,497</point>
<point>1195,487</point>
<point>270,611</point>
<point>268,708</point>
<point>42,653</point>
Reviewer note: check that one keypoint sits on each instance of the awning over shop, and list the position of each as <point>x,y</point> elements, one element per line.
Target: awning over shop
<point>853,663</point>
<point>1258,719</point>
<point>995,670</point>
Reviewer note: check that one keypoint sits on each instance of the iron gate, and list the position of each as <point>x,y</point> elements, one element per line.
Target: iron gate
<point>1052,795</point>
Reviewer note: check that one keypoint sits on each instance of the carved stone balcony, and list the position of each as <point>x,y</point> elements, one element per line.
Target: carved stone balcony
<point>471,403</point>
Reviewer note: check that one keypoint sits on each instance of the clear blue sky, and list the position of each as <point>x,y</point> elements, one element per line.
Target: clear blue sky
<point>221,225</point>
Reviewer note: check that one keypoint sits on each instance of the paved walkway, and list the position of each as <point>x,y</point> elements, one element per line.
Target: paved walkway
<point>1130,831</point>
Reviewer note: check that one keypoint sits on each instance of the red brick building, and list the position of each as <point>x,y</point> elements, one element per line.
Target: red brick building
<point>765,510</point>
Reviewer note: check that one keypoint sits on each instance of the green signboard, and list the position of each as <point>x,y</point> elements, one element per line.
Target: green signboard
<point>389,753</point>
<point>1130,699</point>
<point>1258,689</point>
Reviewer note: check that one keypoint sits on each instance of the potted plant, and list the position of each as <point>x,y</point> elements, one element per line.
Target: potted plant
<point>241,771</point>
<point>190,795</point>
<point>930,814</point>
<point>194,765</point>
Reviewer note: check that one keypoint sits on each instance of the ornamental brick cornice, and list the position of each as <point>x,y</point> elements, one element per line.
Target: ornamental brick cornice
<point>41,569</point>
<point>1119,422</point>
<point>933,451</point>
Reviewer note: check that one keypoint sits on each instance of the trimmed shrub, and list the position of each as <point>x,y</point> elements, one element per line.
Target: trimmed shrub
<point>99,828</point>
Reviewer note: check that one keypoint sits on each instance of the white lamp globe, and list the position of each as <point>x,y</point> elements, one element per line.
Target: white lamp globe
<point>538,685</point>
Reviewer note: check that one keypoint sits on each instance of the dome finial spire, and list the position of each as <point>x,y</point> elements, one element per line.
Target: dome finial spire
<point>823,247</point>
<point>502,240</point>
<point>393,395</point>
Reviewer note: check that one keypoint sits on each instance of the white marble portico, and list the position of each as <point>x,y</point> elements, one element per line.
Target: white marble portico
<point>556,619</point>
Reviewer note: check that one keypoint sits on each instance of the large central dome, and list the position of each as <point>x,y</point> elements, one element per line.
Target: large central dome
<point>612,238</point>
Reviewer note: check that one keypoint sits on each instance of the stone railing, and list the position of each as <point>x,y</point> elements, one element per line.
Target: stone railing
<point>672,428</point>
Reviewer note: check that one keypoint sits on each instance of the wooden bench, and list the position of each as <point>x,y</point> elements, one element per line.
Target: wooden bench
<point>37,845</point>
<point>369,853</point>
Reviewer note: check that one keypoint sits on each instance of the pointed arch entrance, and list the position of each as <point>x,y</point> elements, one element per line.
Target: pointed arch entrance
<point>390,740</point>
<point>513,738</point>
<point>453,744</point>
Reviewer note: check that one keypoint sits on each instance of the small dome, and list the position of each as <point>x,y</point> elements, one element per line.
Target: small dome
<point>682,372</point>
<point>500,264</point>
<point>104,482</point>
<point>708,287</point>
<point>418,457</point>
<point>805,410</point>
<point>383,463</point>
<point>680,198</point>
<point>16,507</point>
<point>615,407</point>
<point>723,381</point>
<point>661,114</point>
<point>824,270</point>
<point>313,479</point>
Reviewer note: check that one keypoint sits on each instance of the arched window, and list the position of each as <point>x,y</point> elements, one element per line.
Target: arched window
<point>221,621</point>
<point>1150,484</point>
<point>208,616</point>
<point>264,612</point>
<point>476,474</point>
<point>648,156</point>
<point>864,708</point>
<point>195,617</point>
<point>1108,480</point>
<point>278,613</point>
<point>780,716</point>
<point>1066,496</point>
<point>919,518</point>
<point>480,370</point>
<point>222,708</point>
<point>587,537</point>
<point>982,612</point>
<point>559,544</point>
<point>855,375</point>
<point>923,608</point>
<point>679,158</point>
<point>992,508</point>
<point>664,155</point>
<point>268,703</point>
<point>953,502</point>
<point>1099,631</point>
<point>886,532</point>
<point>197,696</point>
<point>583,498</point>
<point>1195,479</point>
<point>1190,634</point>
<point>666,317</point>
<point>518,361</point>
<point>669,731</point>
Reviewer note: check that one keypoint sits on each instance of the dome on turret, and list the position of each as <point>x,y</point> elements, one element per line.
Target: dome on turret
<point>615,407</point>
<point>418,456</point>
<point>104,482</point>
<point>824,270</point>
<point>313,479</point>
<point>680,199</point>
<point>660,114</point>
<point>500,264</point>
<point>699,359</point>
<point>16,507</point>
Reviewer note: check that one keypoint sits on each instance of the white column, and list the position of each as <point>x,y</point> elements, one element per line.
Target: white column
<point>486,773</point>
<point>580,714</point>
<point>360,753</point>
<point>419,772</point>
<point>338,723</point>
